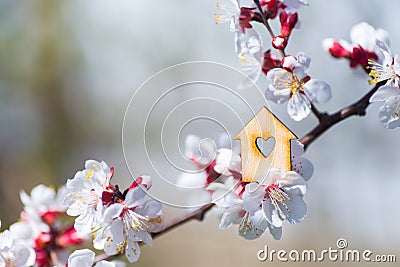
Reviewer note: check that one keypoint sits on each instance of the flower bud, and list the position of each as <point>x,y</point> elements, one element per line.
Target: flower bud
<point>279,42</point>
<point>288,22</point>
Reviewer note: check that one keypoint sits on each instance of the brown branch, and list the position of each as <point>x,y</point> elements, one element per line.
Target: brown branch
<point>326,121</point>
<point>197,215</point>
<point>264,20</point>
<point>194,215</point>
<point>320,115</point>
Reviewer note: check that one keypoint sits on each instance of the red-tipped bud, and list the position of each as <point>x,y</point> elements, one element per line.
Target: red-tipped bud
<point>143,180</point>
<point>271,7</point>
<point>279,42</point>
<point>50,217</point>
<point>289,63</point>
<point>288,22</point>
<point>69,238</point>
<point>42,239</point>
<point>270,62</point>
<point>359,56</point>
<point>338,51</point>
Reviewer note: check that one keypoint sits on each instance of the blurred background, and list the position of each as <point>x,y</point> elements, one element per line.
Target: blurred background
<point>69,68</point>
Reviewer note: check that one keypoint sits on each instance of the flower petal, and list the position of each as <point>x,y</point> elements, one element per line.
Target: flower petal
<point>276,77</point>
<point>303,166</point>
<point>110,264</point>
<point>24,256</point>
<point>132,252</point>
<point>150,208</point>
<point>19,230</point>
<point>303,59</point>
<point>112,212</point>
<point>318,91</point>
<point>299,107</point>
<point>135,196</point>
<point>271,214</point>
<point>81,258</point>
<point>276,232</point>
<point>384,93</point>
<point>389,113</point>
<point>278,96</point>
<point>253,196</point>
<point>363,34</point>
<point>254,227</point>
<point>6,240</point>
<point>231,216</point>
<point>295,208</point>
<point>291,180</point>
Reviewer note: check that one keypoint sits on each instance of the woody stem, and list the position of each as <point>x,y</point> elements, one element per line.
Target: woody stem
<point>326,121</point>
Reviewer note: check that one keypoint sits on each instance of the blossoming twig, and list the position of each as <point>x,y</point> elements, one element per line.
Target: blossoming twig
<point>320,115</point>
<point>328,120</point>
<point>266,24</point>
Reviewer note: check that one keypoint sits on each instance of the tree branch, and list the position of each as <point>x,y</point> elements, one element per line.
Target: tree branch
<point>326,121</point>
<point>197,214</point>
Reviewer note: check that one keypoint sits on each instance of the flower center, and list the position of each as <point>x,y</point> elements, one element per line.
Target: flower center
<point>246,226</point>
<point>295,84</point>
<point>380,72</point>
<point>134,221</point>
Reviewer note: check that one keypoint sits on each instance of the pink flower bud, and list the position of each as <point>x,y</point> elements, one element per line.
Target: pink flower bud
<point>360,56</point>
<point>279,42</point>
<point>288,22</point>
<point>289,63</point>
<point>271,7</point>
<point>270,62</point>
<point>338,51</point>
<point>69,238</point>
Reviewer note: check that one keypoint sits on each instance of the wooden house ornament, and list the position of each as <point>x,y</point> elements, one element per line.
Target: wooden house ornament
<point>264,125</point>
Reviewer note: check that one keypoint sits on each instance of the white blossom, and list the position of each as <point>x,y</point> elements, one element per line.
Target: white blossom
<point>388,71</point>
<point>137,220</point>
<point>249,48</point>
<point>292,83</point>
<point>13,252</point>
<point>280,198</point>
<point>85,192</point>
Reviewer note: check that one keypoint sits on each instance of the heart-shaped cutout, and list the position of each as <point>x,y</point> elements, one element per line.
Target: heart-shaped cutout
<point>265,146</point>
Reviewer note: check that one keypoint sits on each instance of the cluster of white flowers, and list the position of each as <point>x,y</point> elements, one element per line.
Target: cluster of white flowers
<point>388,71</point>
<point>116,220</point>
<point>289,77</point>
<point>119,221</point>
<point>248,43</point>
<point>252,206</point>
<point>369,48</point>
<point>363,45</point>
<point>292,83</point>
<point>15,252</point>
<point>41,237</point>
